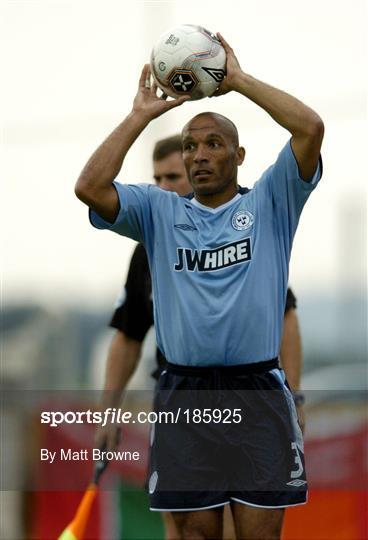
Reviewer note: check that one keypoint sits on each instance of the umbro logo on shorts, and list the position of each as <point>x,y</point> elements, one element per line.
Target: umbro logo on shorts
<point>296,483</point>
<point>208,260</point>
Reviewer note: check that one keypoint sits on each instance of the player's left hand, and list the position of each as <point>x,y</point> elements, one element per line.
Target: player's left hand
<point>233,69</point>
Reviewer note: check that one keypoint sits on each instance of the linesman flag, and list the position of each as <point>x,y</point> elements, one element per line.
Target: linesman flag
<point>75,529</point>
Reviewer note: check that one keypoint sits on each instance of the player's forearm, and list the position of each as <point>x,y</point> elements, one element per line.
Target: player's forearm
<point>291,350</point>
<point>286,110</point>
<point>121,363</point>
<point>105,163</point>
<point>94,186</point>
<point>292,368</point>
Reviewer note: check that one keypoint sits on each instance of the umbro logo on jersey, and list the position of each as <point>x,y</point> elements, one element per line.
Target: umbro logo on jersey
<point>208,260</point>
<point>184,227</point>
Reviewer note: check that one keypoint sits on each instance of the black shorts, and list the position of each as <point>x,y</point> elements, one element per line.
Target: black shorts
<point>225,434</point>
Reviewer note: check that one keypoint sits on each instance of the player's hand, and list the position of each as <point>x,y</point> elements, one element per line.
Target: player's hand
<point>233,69</point>
<point>147,102</point>
<point>301,416</point>
<point>108,437</point>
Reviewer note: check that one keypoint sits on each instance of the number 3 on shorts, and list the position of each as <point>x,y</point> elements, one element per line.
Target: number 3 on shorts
<point>299,471</point>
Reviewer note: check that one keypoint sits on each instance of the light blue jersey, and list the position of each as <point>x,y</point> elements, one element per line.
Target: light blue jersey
<point>219,275</point>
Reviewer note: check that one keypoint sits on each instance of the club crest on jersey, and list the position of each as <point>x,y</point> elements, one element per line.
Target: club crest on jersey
<point>208,260</point>
<point>242,220</point>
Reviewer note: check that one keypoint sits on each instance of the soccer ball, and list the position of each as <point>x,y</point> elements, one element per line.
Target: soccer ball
<point>188,60</point>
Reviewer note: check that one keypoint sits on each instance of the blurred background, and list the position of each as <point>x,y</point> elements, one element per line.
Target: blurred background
<point>70,74</point>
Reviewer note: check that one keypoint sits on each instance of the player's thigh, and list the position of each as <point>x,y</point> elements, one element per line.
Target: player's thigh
<point>171,530</point>
<point>200,525</point>
<point>257,523</point>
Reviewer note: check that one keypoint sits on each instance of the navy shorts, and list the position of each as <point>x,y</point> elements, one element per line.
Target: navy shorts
<point>225,434</point>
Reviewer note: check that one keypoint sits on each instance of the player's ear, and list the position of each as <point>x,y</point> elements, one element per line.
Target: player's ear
<point>240,155</point>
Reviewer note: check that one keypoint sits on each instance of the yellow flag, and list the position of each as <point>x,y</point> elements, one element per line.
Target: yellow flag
<point>75,529</point>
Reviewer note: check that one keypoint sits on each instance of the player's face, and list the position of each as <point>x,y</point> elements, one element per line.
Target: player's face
<point>169,174</point>
<point>211,157</point>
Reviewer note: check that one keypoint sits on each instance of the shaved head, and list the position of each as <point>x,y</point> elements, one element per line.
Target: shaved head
<point>227,127</point>
<point>212,155</point>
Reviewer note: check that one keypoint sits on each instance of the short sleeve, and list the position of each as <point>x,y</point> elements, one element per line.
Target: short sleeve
<point>282,184</point>
<point>135,215</point>
<point>286,175</point>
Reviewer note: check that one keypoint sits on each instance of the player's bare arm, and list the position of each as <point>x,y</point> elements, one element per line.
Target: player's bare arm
<point>94,186</point>
<point>291,356</point>
<point>122,360</point>
<point>291,349</point>
<point>304,124</point>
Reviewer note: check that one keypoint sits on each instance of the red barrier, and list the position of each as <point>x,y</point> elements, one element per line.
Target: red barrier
<point>329,515</point>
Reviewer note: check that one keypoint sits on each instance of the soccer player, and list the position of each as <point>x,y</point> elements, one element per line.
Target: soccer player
<point>218,259</point>
<point>133,317</point>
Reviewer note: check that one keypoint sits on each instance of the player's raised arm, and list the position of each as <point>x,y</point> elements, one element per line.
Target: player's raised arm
<point>305,125</point>
<point>94,186</point>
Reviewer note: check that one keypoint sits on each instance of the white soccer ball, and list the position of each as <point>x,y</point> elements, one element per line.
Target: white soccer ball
<point>188,60</point>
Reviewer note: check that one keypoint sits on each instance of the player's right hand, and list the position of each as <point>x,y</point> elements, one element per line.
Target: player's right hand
<point>147,102</point>
<point>233,69</point>
<point>108,437</point>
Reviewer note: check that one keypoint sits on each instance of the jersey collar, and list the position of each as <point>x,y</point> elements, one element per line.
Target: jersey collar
<point>194,202</point>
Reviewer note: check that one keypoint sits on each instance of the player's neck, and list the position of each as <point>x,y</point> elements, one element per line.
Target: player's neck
<point>214,200</point>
